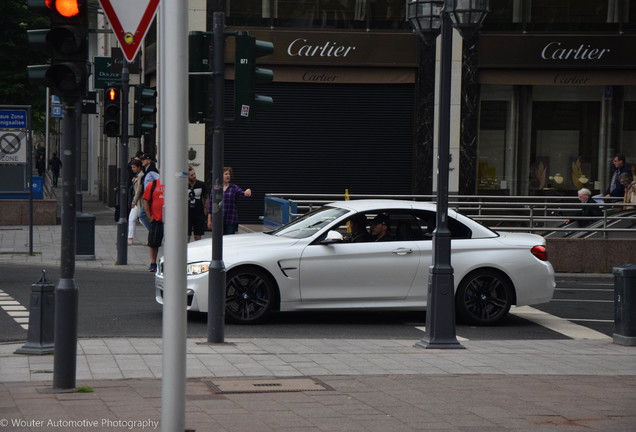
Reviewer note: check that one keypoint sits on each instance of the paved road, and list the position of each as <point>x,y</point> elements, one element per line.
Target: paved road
<point>121,304</point>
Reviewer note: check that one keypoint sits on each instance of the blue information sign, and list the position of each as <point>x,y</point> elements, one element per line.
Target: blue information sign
<point>13,119</point>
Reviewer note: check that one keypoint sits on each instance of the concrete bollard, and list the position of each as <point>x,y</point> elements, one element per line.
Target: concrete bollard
<point>41,319</point>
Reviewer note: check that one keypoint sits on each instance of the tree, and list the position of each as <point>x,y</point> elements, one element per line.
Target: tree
<point>15,55</point>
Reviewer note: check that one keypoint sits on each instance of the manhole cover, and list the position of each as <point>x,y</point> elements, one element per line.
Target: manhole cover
<point>266,385</point>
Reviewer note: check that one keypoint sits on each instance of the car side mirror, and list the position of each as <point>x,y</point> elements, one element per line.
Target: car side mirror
<point>332,237</point>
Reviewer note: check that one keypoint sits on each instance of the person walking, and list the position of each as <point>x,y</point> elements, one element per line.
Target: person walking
<point>196,207</point>
<point>150,174</point>
<point>153,204</point>
<point>627,180</point>
<point>230,193</point>
<point>590,209</point>
<point>615,188</point>
<point>136,200</point>
<point>40,165</point>
<point>55,164</point>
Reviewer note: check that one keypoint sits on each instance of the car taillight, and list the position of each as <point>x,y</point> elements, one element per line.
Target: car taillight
<point>540,252</point>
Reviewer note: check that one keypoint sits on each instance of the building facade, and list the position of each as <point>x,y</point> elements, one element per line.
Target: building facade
<point>542,98</point>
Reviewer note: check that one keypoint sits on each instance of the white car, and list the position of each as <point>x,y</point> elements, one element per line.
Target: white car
<point>313,264</point>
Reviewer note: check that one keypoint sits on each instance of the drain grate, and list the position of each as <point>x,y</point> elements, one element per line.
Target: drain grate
<point>222,386</point>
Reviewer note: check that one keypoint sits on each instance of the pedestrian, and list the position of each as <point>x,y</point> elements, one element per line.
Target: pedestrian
<point>196,207</point>
<point>590,208</point>
<point>131,174</point>
<point>55,164</point>
<point>136,200</point>
<point>615,188</point>
<point>153,204</point>
<point>627,180</point>
<point>230,193</point>
<point>40,165</point>
<point>150,174</point>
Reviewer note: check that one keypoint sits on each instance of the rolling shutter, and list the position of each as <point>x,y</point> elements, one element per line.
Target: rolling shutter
<point>323,138</point>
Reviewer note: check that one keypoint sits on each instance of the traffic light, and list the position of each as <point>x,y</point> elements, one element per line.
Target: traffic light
<point>112,112</point>
<point>199,75</point>
<point>67,40</point>
<point>145,109</point>
<point>246,74</point>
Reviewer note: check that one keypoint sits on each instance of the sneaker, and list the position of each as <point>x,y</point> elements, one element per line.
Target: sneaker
<point>153,267</point>
<point>130,241</point>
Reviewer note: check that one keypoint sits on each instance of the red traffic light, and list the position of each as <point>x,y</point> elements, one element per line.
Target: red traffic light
<point>112,94</point>
<point>66,8</point>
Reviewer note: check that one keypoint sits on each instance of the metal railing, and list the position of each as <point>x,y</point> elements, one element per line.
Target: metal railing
<point>543,215</point>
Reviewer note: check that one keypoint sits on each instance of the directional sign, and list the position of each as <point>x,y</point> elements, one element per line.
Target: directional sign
<point>13,119</point>
<point>13,146</point>
<point>130,20</point>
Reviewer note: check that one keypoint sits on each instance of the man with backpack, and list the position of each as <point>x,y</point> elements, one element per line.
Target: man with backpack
<point>153,205</point>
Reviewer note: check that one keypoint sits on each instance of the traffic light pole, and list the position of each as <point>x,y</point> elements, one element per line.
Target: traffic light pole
<point>122,223</point>
<point>66,293</point>
<point>216,288</point>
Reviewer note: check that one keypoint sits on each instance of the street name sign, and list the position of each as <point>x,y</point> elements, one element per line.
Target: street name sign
<point>13,119</point>
<point>130,20</point>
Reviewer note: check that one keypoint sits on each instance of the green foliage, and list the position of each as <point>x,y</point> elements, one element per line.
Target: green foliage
<point>16,54</point>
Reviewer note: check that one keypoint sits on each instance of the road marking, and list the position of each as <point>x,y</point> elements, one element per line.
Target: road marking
<point>559,325</point>
<point>15,310</point>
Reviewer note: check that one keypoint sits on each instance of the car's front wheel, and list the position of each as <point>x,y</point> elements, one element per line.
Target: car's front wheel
<point>483,297</point>
<point>250,296</point>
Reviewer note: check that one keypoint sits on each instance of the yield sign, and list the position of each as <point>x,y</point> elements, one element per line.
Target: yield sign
<point>130,20</point>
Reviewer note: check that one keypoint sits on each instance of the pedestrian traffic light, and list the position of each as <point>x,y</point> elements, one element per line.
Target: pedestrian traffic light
<point>67,41</point>
<point>199,76</point>
<point>145,109</point>
<point>246,74</point>
<point>112,112</point>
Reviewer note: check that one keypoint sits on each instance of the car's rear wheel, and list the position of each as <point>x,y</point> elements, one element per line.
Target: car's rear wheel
<point>249,297</point>
<point>483,297</point>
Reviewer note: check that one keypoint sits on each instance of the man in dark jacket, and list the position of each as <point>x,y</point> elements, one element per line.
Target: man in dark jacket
<point>616,189</point>
<point>588,210</point>
<point>55,164</point>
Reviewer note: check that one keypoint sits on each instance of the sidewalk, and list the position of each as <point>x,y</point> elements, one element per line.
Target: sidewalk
<point>302,385</point>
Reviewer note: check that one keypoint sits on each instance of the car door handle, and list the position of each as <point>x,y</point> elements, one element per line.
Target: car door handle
<point>402,251</point>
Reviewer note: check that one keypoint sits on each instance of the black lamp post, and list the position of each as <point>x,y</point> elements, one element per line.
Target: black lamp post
<point>430,18</point>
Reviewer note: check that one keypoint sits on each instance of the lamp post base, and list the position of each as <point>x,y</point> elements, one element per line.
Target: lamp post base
<point>440,311</point>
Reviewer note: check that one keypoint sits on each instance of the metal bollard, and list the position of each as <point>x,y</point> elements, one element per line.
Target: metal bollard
<point>41,319</point>
<point>625,305</point>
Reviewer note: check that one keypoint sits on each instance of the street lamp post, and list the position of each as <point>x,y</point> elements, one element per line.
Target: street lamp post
<point>430,18</point>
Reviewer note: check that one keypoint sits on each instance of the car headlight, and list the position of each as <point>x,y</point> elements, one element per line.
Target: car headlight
<point>198,268</point>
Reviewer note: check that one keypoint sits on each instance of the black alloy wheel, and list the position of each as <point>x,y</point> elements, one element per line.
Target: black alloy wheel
<point>483,297</point>
<point>249,296</point>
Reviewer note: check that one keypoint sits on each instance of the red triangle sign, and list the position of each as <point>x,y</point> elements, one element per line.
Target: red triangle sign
<point>130,20</point>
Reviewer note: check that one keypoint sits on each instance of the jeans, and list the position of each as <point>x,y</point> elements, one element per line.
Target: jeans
<point>143,218</point>
<point>230,229</point>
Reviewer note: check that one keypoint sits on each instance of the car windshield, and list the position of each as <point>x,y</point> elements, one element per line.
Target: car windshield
<point>311,223</point>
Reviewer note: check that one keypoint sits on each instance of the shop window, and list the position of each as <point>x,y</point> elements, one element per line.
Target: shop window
<point>564,150</point>
<point>346,14</point>
<point>491,168</point>
<point>569,15</point>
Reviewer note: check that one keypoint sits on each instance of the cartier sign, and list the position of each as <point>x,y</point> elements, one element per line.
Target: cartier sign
<point>556,51</point>
<point>314,48</point>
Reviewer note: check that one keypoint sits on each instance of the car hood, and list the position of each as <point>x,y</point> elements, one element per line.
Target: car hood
<point>520,239</point>
<point>237,244</point>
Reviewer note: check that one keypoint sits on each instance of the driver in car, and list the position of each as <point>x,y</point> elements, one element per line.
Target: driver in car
<point>359,233</point>
<point>380,228</point>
